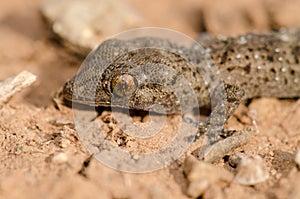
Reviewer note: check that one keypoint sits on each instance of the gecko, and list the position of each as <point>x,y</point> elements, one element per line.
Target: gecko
<point>140,72</point>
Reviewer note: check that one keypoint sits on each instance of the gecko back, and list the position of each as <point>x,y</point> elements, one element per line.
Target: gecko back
<point>140,72</point>
<point>261,64</point>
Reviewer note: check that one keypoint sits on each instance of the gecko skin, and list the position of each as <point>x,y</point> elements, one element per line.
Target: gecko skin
<point>147,71</point>
<point>137,72</point>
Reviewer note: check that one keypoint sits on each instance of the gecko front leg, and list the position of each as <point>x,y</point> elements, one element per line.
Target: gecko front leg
<point>215,147</point>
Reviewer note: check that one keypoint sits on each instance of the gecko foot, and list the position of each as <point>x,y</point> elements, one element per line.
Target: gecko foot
<point>213,152</point>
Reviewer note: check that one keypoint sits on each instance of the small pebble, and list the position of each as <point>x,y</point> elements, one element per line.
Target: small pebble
<point>60,158</point>
<point>251,171</point>
<point>64,143</point>
<point>135,157</point>
<point>202,175</point>
<point>61,122</point>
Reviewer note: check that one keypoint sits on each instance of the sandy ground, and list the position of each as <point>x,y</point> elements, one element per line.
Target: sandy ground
<point>41,154</point>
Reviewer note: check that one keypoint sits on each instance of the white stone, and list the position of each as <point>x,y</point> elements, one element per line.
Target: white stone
<point>251,171</point>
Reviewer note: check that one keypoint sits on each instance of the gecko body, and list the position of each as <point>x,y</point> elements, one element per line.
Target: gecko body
<point>147,71</point>
<point>260,64</point>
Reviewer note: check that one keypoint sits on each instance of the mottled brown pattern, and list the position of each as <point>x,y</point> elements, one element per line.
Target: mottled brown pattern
<point>259,64</point>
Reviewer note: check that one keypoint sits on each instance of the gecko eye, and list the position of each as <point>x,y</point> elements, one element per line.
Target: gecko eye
<point>124,85</point>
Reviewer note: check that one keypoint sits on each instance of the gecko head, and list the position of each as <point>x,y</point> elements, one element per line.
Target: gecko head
<point>121,86</point>
<point>140,79</point>
<point>149,79</point>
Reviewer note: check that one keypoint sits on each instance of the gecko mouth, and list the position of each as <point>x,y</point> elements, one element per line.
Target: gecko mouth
<point>90,101</point>
<point>69,95</point>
